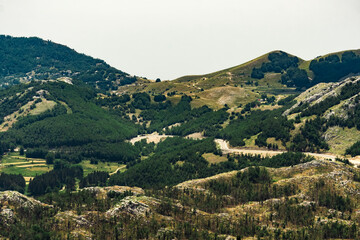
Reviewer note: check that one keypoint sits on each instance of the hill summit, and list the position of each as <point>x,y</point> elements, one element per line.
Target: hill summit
<point>27,59</point>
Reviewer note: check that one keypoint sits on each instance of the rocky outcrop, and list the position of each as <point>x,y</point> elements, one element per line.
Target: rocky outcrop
<point>134,206</point>
<point>76,221</point>
<point>7,216</point>
<point>321,92</point>
<point>16,199</point>
<point>102,192</point>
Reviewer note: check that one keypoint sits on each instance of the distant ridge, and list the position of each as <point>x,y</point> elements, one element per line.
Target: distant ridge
<point>25,59</point>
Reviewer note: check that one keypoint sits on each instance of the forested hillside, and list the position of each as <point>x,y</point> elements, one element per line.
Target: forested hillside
<point>27,59</point>
<point>75,125</point>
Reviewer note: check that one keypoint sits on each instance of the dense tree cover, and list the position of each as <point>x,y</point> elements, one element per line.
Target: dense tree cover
<point>354,150</point>
<point>332,68</point>
<point>62,174</point>
<point>105,77</point>
<point>309,138</point>
<point>192,120</point>
<point>36,153</point>
<point>281,62</point>
<point>287,101</point>
<point>268,123</point>
<point>97,178</point>
<point>175,160</point>
<point>328,69</point>
<point>12,182</point>
<point>141,100</point>
<point>113,152</point>
<point>257,73</point>
<point>201,119</point>
<point>295,77</point>
<point>19,56</point>
<point>35,51</point>
<point>278,61</point>
<point>285,159</point>
<point>159,98</point>
<point>121,152</point>
<point>89,129</point>
<point>241,161</point>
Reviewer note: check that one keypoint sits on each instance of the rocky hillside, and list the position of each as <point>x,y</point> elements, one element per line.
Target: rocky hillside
<point>317,199</point>
<point>337,104</point>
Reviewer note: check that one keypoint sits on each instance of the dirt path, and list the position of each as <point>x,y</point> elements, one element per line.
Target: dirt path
<point>27,179</point>
<point>118,169</point>
<point>22,163</point>
<point>224,146</point>
<point>154,137</point>
<point>32,165</point>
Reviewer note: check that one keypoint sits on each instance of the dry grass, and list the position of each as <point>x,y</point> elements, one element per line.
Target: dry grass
<point>214,159</point>
<point>339,139</point>
<point>25,110</point>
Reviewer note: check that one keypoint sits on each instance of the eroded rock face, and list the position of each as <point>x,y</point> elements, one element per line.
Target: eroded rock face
<point>77,221</point>
<point>16,199</point>
<point>129,205</point>
<point>12,201</point>
<point>321,92</point>
<point>7,216</point>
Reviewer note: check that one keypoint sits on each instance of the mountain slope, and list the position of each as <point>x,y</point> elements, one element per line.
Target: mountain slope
<point>317,199</point>
<point>25,59</point>
<point>276,73</point>
<point>64,117</point>
<point>338,105</point>
<point>233,86</point>
<point>237,74</point>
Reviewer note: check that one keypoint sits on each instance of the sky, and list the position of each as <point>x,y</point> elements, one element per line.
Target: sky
<point>167,39</point>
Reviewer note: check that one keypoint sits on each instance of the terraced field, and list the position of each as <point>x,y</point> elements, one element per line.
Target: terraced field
<point>14,163</point>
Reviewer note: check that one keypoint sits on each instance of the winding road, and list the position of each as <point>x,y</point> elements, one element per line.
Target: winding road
<point>225,148</point>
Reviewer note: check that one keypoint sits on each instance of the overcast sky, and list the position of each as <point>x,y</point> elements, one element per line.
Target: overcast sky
<point>172,38</point>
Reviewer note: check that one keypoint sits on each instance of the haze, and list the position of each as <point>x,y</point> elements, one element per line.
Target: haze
<point>172,38</point>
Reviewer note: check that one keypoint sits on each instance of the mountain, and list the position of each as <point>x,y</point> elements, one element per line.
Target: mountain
<point>276,73</point>
<point>261,150</point>
<point>27,59</point>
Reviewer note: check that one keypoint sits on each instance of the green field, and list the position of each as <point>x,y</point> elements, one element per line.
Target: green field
<point>101,166</point>
<point>13,163</point>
